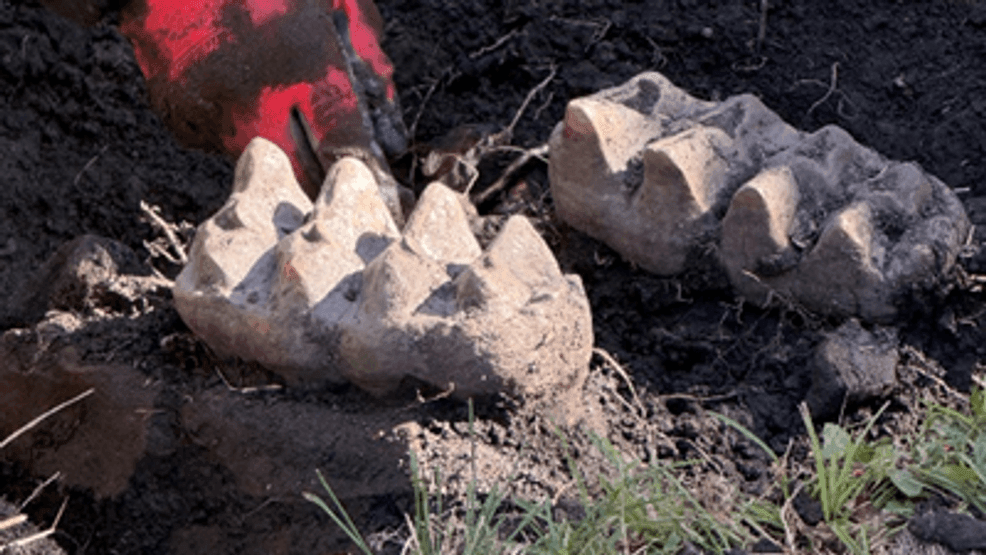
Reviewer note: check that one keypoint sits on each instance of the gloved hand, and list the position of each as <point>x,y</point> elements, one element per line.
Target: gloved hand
<point>308,75</point>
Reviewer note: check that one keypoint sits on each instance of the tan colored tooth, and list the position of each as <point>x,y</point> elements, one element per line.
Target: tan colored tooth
<point>265,196</point>
<point>398,280</point>
<point>758,221</point>
<point>351,211</point>
<point>597,139</point>
<point>516,267</point>
<point>440,225</point>
<point>260,177</point>
<point>682,174</point>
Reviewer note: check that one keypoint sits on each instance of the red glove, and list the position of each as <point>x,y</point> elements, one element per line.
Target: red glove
<point>221,72</point>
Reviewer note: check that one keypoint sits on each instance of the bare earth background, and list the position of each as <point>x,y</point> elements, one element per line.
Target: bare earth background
<point>80,151</point>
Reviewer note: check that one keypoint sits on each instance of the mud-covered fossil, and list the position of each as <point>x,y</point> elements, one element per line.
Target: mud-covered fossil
<point>667,180</point>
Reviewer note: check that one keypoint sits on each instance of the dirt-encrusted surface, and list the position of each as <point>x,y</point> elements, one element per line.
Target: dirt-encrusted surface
<point>80,152</point>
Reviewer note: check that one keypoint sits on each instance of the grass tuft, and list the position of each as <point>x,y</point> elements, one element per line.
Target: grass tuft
<point>860,483</point>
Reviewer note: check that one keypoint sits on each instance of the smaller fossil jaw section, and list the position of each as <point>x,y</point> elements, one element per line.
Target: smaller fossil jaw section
<point>667,180</point>
<point>333,291</point>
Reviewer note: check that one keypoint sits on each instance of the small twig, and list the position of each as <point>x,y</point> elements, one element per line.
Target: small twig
<point>601,25</point>
<point>23,429</point>
<point>158,250</point>
<point>547,102</point>
<point>762,33</point>
<point>412,538</point>
<point>40,535</point>
<point>249,389</point>
<point>165,227</point>
<point>89,164</point>
<point>445,393</point>
<point>786,512</point>
<point>37,491</point>
<point>662,60</point>
<point>474,171</point>
<point>259,507</point>
<point>502,138</point>
<point>15,520</point>
<point>413,131</point>
<point>941,383</point>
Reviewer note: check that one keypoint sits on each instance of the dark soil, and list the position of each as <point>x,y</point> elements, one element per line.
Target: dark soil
<point>80,151</point>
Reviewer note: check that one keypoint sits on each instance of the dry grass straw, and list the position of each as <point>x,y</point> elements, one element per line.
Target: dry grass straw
<point>18,519</point>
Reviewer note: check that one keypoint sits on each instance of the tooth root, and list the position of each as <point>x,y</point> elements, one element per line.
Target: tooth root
<point>758,220</point>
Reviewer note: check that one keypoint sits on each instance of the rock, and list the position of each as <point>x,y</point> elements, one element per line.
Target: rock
<point>852,365</point>
<point>83,275</point>
<point>958,532</point>
<point>809,510</point>
<point>670,181</point>
<point>334,291</point>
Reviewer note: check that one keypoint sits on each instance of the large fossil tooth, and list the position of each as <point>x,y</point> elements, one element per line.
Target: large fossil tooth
<point>334,291</point>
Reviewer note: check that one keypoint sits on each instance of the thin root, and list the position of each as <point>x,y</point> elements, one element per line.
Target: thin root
<point>762,32</point>
<point>608,358</point>
<point>13,521</point>
<point>157,221</point>
<point>424,102</point>
<point>538,152</point>
<point>89,164</point>
<point>499,42</point>
<point>509,131</point>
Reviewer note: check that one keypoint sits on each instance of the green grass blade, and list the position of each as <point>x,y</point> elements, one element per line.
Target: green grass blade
<point>746,433</point>
<point>820,471</point>
<point>341,518</point>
